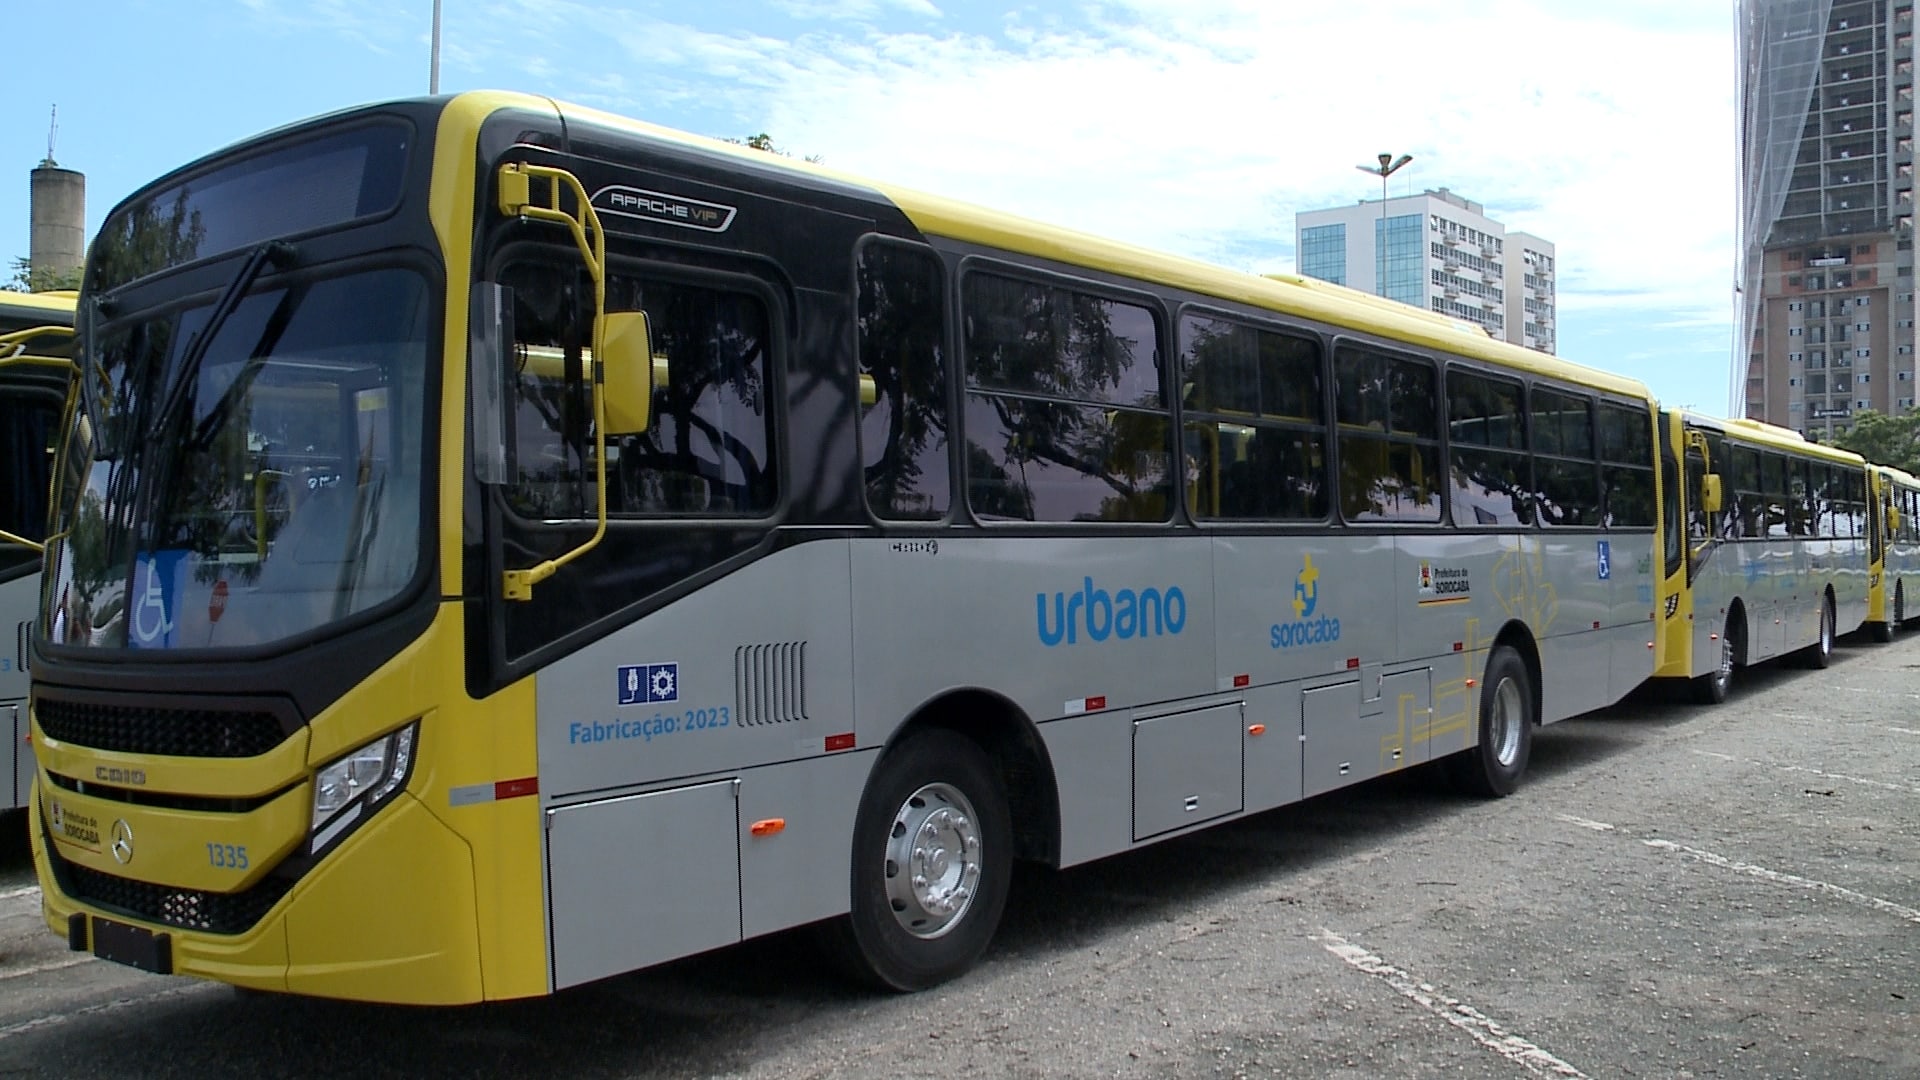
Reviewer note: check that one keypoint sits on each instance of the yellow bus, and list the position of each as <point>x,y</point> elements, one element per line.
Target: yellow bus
<point>1896,496</point>
<point>36,332</point>
<point>1768,547</point>
<point>509,545</point>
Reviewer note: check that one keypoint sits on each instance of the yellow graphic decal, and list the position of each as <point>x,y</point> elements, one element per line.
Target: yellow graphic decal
<point>1520,584</point>
<point>1306,589</point>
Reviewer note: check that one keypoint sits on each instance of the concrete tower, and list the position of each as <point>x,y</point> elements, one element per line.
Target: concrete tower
<point>58,243</point>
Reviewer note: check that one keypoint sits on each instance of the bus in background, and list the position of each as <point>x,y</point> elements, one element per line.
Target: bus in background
<point>1768,548</point>
<point>612,460</point>
<point>1896,495</point>
<point>36,338</point>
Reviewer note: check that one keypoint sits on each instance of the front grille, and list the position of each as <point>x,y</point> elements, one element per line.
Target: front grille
<point>139,729</point>
<point>189,909</point>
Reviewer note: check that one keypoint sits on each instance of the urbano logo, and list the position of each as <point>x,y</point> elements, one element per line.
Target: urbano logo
<point>1305,629</point>
<point>1124,615</point>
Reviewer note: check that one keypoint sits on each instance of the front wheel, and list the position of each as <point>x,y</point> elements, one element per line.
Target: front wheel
<point>1713,687</point>
<point>1493,767</point>
<point>932,853</point>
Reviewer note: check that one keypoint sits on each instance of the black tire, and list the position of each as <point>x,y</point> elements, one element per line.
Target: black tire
<point>896,937</point>
<point>1493,766</point>
<point>1820,654</point>
<point>1713,687</point>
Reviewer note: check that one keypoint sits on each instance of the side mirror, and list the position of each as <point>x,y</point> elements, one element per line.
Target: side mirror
<point>1710,500</point>
<point>630,371</point>
<point>489,381</point>
<point>1893,519</point>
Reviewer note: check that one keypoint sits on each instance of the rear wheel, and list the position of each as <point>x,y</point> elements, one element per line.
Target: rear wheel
<point>1493,768</point>
<point>932,853</point>
<point>1820,653</point>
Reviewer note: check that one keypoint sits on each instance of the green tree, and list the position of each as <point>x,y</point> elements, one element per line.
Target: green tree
<point>27,279</point>
<point>1885,439</point>
<point>764,142</point>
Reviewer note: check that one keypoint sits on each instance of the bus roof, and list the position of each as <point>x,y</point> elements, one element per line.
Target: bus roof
<point>1760,433</point>
<point>1899,476</point>
<point>1281,293</point>
<point>19,310</point>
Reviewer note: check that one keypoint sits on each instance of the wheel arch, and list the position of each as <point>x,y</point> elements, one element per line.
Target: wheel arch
<point>1516,636</point>
<point>1736,628</point>
<point>1012,742</point>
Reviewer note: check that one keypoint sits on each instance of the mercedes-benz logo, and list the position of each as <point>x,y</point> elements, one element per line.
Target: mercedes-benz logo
<point>122,842</point>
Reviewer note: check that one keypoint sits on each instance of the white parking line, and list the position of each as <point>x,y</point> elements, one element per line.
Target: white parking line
<point>1821,773</point>
<point>1795,880</point>
<point>1454,1011</point>
<point>1777,877</point>
<point>1904,731</point>
<point>24,890</point>
<point>56,1019</point>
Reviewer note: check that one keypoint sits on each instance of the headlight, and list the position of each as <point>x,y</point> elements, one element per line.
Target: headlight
<point>354,785</point>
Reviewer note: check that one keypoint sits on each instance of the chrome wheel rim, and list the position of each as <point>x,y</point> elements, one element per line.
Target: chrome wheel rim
<point>933,860</point>
<point>1826,630</point>
<point>1504,723</point>
<point>1724,674</point>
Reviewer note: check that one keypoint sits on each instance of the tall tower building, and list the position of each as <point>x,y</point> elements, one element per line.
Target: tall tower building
<point>1826,215</point>
<point>1441,252</point>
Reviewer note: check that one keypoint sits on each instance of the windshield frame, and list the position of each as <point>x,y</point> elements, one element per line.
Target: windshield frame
<point>336,254</point>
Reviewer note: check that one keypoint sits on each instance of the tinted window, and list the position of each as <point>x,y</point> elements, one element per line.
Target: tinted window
<point>709,448</point>
<point>29,424</point>
<point>1255,433</point>
<point>903,434</point>
<point>1389,437</point>
<point>1030,459</point>
<point>1065,418</point>
<point>1567,482</point>
<point>322,181</point>
<point>1046,340</point>
<point>1492,475</point>
<point>1626,452</point>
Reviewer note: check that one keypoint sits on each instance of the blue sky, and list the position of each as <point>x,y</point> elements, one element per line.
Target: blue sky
<point>1194,126</point>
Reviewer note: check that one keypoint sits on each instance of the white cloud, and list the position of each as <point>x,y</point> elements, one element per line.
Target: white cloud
<point>1202,126</point>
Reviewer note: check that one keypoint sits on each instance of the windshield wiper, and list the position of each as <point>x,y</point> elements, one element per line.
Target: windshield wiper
<point>277,253</point>
<point>272,253</point>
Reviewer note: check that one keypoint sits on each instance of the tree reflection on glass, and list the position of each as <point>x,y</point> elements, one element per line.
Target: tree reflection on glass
<point>1065,412</point>
<point>904,433</point>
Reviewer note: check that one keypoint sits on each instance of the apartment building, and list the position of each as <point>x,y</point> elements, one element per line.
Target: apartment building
<point>1438,251</point>
<point>1826,312</point>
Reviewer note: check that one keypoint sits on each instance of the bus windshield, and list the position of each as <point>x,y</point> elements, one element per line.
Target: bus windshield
<point>255,485</point>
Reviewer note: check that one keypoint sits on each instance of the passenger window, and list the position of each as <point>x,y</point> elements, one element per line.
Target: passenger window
<point>709,449</point>
<point>1492,475</point>
<point>903,434</point>
<point>1255,422</point>
<point>1065,416</point>
<point>1627,469</point>
<point>1567,481</point>
<point>1389,437</point>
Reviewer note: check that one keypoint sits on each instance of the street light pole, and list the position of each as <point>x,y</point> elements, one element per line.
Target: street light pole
<point>433,78</point>
<point>1387,167</point>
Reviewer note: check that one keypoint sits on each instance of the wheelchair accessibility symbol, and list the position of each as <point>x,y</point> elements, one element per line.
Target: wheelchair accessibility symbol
<point>151,624</point>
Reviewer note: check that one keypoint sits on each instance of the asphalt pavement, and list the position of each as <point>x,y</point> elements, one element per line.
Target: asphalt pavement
<point>1675,891</point>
